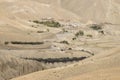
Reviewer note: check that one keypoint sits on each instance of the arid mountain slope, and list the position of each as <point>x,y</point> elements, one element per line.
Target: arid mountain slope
<point>16,15</point>
<point>15,25</point>
<point>87,10</point>
<point>102,66</point>
<point>95,10</point>
<point>43,34</point>
<point>91,10</point>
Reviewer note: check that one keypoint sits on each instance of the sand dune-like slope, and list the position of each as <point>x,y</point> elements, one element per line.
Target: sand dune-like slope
<point>87,10</point>
<point>95,10</point>
<point>103,66</point>
<point>100,75</point>
<point>26,46</point>
<point>91,10</point>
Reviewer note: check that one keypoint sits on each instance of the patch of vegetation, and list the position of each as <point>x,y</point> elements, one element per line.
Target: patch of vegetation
<point>64,42</point>
<point>26,43</point>
<point>89,35</point>
<point>6,43</point>
<point>40,31</point>
<point>48,30</point>
<point>64,30</point>
<point>74,38</point>
<point>96,27</point>
<point>62,49</point>
<point>57,60</point>
<point>49,23</point>
<point>69,48</point>
<point>102,32</point>
<point>33,26</point>
<point>36,21</point>
<point>79,33</point>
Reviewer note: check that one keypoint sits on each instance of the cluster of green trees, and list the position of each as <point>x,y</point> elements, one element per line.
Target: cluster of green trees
<point>49,23</point>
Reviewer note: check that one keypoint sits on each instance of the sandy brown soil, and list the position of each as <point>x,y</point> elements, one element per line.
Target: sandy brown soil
<point>73,51</point>
<point>94,68</point>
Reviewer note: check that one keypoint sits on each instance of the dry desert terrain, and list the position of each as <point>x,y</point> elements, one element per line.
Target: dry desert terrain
<point>59,39</point>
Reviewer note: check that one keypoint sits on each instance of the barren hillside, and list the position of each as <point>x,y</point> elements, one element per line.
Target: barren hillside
<point>95,10</point>
<point>102,66</point>
<point>60,39</point>
<point>91,10</point>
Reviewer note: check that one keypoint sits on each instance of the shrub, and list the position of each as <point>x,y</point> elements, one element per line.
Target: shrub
<point>96,27</point>
<point>102,32</point>
<point>40,31</point>
<point>89,35</point>
<point>48,30</point>
<point>36,21</point>
<point>80,33</point>
<point>6,43</point>
<point>69,48</point>
<point>32,25</point>
<point>64,42</point>
<point>64,30</point>
<point>74,38</point>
